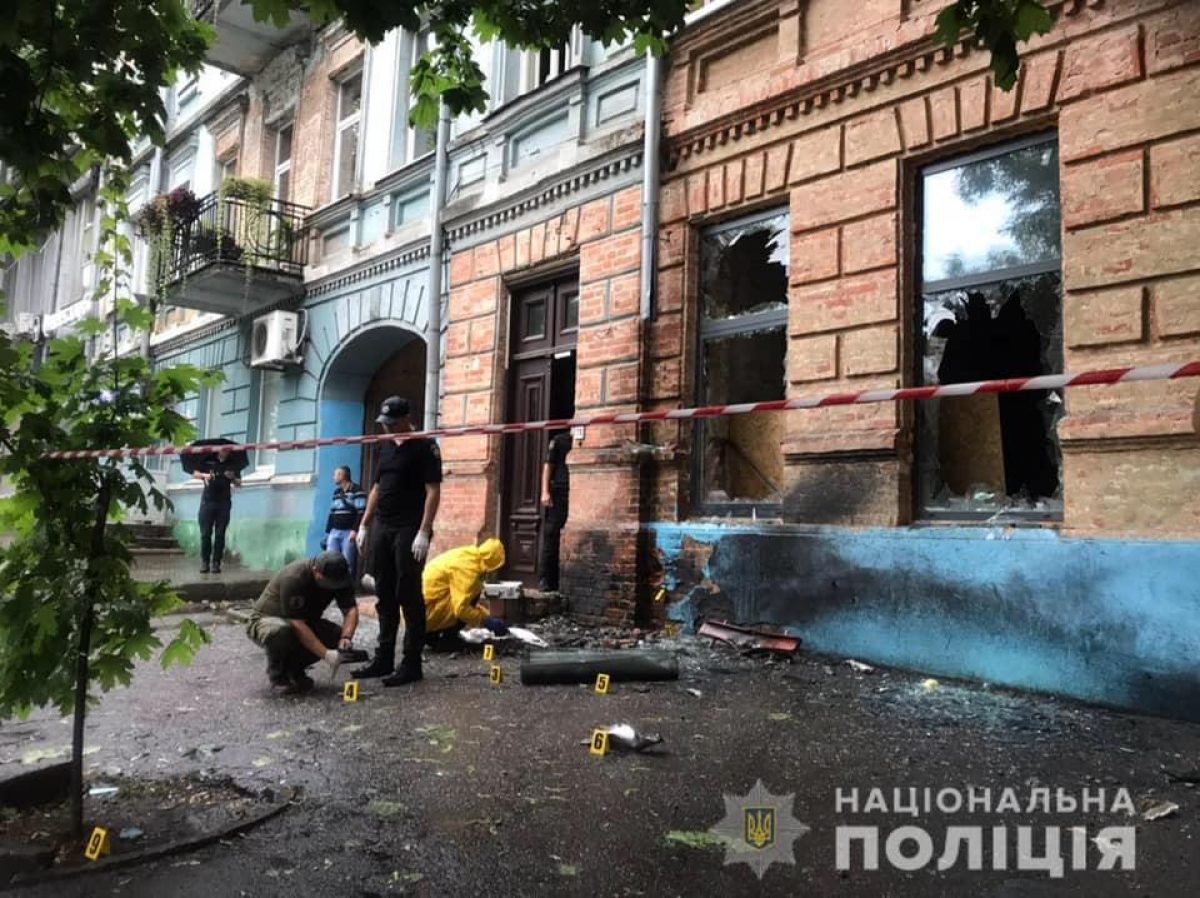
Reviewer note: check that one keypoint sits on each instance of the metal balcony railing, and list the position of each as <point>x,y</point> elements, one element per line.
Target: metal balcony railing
<point>202,8</point>
<point>265,237</point>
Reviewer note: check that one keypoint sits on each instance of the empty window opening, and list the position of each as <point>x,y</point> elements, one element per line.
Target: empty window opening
<point>743,358</point>
<point>991,308</point>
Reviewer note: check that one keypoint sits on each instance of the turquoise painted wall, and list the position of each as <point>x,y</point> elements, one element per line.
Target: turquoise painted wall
<point>1110,621</point>
<point>353,325</point>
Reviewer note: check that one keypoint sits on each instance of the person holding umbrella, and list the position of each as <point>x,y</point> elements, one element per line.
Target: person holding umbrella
<point>220,472</point>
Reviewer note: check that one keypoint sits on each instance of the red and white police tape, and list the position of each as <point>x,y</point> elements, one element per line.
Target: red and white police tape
<point>1013,385</point>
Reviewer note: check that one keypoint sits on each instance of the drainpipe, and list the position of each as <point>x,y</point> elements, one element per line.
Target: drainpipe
<point>155,185</point>
<point>650,182</point>
<point>433,351</point>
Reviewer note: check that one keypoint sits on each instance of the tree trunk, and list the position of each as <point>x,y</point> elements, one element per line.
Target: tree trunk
<point>545,668</point>
<point>95,550</point>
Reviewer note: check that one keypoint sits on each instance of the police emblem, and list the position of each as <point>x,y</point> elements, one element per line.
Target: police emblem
<point>759,829</point>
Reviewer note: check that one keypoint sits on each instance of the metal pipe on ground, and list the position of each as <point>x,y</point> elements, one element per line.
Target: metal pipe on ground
<point>555,668</point>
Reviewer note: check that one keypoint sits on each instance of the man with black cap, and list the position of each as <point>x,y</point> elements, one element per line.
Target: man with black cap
<point>287,619</point>
<point>398,523</point>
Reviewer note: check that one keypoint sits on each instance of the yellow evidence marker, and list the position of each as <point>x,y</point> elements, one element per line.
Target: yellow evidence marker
<point>97,845</point>
<point>489,652</point>
<point>601,684</point>
<point>496,675</point>
<point>599,745</point>
<point>350,691</point>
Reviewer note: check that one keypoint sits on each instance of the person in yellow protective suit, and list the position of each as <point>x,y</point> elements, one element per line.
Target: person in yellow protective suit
<point>452,584</point>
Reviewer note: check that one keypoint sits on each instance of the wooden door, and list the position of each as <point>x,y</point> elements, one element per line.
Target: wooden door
<point>541,385</point>
<point>530,401</point>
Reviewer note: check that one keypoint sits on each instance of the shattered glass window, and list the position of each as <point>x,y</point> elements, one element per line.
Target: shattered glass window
<point>991,309</point>
<point>743,358</point>
<point>744,267</point>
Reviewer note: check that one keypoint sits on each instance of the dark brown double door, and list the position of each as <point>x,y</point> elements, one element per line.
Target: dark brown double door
<point>541,386</point>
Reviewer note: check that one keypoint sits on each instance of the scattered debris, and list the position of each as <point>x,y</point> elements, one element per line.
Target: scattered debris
<point>1159,809</point>
<point>779,715</point>
<point>440,737</point>
<point>262,762</point>
<point>747,638</point>
<point>930,685</point>
<point>622,735</point>
<point>695,692</point>
<point>37,755</point>
<point>386,809</point>
<point>568,870</point>
<point>1183,776</point>
<point>279,734</point>
<point>702,839</point>
<point>859,666</point>
<point>203,751</point>
<point>102,790</point>
<point>131,833</point>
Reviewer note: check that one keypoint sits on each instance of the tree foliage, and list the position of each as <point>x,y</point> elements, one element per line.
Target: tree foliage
<point>71,613</point>
<point>80,80</point>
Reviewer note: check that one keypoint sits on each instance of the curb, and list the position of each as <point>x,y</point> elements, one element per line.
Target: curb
<point>149,854</point>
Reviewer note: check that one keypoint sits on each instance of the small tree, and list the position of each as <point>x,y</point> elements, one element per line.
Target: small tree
<point>71,613</point>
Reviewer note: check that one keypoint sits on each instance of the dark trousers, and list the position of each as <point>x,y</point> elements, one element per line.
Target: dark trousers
<point>214,519</point>
<point>553,521</point>
<point>398,588</point>
<point>286,655</point>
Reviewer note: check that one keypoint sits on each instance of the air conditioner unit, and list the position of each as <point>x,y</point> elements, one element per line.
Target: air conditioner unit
<point>275,340</point>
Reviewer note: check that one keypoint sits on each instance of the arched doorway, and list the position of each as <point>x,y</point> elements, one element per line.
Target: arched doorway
<point>376,362</point>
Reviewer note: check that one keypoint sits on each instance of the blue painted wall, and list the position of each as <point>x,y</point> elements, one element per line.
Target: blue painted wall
<point>1110,621</point>
<point>352,327</point>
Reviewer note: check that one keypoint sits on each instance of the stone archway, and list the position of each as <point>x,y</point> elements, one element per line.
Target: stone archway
<point>381,359</point>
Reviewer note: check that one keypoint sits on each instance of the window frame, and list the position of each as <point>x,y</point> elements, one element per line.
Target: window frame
<point>920,288</point>
<point>717,329</point>
<point>283,168</point>
<point>342,124</point>
<point>261,468</point>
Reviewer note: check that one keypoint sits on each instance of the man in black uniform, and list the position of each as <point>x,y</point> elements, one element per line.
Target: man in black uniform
<point>556,490</point>
<point>399,524</point>
<point>287,619</point>
<point>216,503</point>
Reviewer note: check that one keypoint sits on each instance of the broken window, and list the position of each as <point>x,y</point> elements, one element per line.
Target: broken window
<point>991,296</point>
<point>743,358</point>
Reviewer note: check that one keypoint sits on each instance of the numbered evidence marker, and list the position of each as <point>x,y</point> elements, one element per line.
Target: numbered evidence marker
<point>350,691</point>
<point>599,746</point>
<point>496,675</point>
<point>489,652</point>
<point>97,845</point>
<point>601,684</point>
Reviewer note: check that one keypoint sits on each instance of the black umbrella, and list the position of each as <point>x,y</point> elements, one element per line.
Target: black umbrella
<point>238,460</point>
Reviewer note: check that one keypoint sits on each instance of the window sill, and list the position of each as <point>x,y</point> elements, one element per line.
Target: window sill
<point>260,478</point>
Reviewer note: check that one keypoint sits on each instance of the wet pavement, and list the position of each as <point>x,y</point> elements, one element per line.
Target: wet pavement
<point>459,787</point>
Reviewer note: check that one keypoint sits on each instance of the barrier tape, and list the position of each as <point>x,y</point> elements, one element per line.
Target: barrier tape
<point>1107,376</point>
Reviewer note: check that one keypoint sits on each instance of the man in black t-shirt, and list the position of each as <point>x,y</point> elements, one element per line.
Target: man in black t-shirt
<point>399,524</point>
<point>216,504</point>
<point>556,490</point>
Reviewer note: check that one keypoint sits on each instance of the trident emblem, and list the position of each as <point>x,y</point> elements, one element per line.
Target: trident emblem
<point>760,827</point>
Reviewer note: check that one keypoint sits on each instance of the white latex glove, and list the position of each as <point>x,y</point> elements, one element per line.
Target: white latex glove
<point>360,538</point>
<point>333,660</point>
<point>420,546</point>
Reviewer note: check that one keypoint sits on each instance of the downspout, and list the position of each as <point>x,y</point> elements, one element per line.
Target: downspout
<point>433,350</point>
<point>155,185</point>
<point>647,468</point>
<point>650,183</point>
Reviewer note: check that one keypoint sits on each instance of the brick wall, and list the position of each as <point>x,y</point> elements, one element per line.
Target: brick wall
<point>602,238</point>
<point>836,138</point>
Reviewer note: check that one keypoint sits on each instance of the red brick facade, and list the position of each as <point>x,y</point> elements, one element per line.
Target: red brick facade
<point>829,114</point>
<point>601,240</point>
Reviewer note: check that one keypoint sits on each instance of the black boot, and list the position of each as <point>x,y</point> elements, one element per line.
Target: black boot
<point>204,567</point>
<point>216,568</point>
<point>408,673</point>
<point>383,664</point>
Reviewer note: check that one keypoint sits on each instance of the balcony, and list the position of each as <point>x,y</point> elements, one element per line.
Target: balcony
<point>244,46</point>
<point>233,257</point>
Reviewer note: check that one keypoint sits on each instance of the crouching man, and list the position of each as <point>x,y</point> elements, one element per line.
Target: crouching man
<point>452,584</point>
<point>286,620</point>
